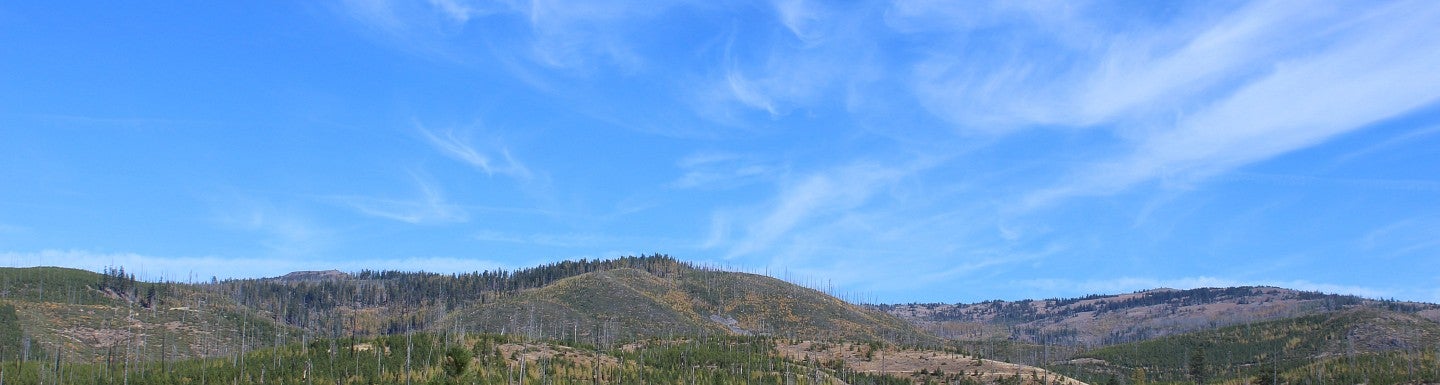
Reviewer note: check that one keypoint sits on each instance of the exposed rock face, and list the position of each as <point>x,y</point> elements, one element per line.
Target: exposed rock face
<point>307,276</point>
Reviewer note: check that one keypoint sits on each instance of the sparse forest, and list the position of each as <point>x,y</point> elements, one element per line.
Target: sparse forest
<point>649,319</point>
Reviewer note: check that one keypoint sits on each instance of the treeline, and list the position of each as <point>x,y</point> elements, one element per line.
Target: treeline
<point>396,301</point>
<point>424,358</point>
<point>115,281</point>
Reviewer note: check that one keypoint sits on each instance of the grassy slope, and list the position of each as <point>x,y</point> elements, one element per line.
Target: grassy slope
<point>627,303</point>
<point>59,310</point>
<point>610,305</point>
<point>771,306</point>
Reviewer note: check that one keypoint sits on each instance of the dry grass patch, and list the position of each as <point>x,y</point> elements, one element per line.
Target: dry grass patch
<point>913,362</point>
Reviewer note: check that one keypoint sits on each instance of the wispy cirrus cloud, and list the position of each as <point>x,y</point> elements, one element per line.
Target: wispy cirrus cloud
<point>833,55</point>
<point>1039,109</point>
<point>561,35</point>
<point>491,159</point>
<point>581,36</point>
<point>430,206</point>
<point>282,231</point>
<point>721,170</point>
<point>1403,237</point>
<point>1378,70</point>
<point>801,202</point>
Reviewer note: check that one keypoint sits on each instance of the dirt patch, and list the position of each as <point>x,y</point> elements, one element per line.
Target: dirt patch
<point>912,363</point>
<point>537,352</point>
<point>98,338</point>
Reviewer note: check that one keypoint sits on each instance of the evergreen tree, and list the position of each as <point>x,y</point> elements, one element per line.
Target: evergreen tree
<point>1198,371</point>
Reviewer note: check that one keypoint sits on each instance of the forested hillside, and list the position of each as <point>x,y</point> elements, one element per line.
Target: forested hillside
<point>1359,345</point>
<point>1100,320</point>
<point>394,301</point>
<point>623,298</point>
<point>81,316</point>
<point>655,319</point>
<point>77,315</point>
<point>650,319</point>
<point>448,358</point>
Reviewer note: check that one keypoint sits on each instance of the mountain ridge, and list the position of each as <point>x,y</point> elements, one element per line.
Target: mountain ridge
<point>1098,320</point>
<point>85,315</point>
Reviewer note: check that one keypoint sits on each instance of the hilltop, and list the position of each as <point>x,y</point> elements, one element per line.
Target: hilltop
<point>632,303</point>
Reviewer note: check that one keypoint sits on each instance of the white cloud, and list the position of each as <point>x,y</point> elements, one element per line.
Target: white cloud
<point>1405,237</point>
<point>721,170</point>
<point>1381,69</point>
<point>429,207</point>
<point>283,231</point>
<point>801,18</point>
<point>495,159</point>
<point>461,11</point>
<point>805,201</point>
<point>835,56</point>
<point>573,35</point>
<point>1410,137</point>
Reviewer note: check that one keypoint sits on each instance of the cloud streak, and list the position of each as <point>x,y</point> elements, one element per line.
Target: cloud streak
<point>283,232</point>
<point>494,160</point>
<point>430,206</point>
<point>1380,70</point>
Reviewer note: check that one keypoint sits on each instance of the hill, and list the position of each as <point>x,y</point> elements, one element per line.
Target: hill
<point>630,303</point>
<point>86,316</point>
<point>450,358</point>
<point>1360,345</point>
<point>1100,320</point>
<point>82,316</point>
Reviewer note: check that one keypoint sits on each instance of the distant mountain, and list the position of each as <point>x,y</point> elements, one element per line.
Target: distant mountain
<point>1099,320</point>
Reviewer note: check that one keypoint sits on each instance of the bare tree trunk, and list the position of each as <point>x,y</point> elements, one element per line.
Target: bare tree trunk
<point>409,337</point>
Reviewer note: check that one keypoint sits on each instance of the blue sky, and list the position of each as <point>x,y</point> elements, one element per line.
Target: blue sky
<point>903,151</point>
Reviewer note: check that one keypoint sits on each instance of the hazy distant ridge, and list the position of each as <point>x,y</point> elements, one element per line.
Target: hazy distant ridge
<point>1109,319</point>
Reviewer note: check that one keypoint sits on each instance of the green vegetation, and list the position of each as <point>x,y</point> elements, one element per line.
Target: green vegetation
<point>1114,319</point>
<point>649,319</point>
<point>1371,345</point>
<point>423,358</point>
<point>10,333</point>
<point>111,317</point>
<point>82,316</point>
